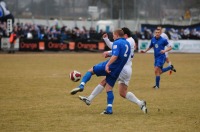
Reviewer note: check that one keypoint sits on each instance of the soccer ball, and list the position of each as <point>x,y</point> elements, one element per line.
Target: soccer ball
<point>75,76</point>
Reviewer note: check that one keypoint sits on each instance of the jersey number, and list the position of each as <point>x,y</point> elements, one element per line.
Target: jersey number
<point>125,54</point>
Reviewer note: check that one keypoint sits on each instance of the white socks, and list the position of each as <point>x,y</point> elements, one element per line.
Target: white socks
<point>98,89</point>
<point>170,63</point>
<point>131,97</point>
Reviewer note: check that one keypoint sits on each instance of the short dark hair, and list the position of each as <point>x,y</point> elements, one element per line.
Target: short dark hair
<point>126,31</point>
<point>159,27</point>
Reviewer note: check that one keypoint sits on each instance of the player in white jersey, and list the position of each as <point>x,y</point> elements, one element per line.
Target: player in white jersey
<point>124,77</point>
<point>164,35</point>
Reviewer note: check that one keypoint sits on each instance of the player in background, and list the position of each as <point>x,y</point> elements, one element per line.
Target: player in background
<point>111,68</point>
<point>164,35</point>
<point>124,77</point>
<point>159,43</point>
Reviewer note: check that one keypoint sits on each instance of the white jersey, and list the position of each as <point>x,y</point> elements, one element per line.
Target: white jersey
<point>125,75</point>
<point>164,35</point>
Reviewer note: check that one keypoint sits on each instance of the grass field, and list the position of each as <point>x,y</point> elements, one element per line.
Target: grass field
<point>34,95</point>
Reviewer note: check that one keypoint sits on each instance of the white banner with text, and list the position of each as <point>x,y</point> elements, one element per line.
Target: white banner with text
<point>179,46</point>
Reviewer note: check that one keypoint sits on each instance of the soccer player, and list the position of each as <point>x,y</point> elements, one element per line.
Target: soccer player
<point>159,43</point>
<point>124,76</point>
<point>164,35</point>
<point>110,68</point>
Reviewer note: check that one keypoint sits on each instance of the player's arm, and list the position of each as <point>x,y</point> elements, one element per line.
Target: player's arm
<point>112,59</point>
<point>166,50</point>
<point>107,53</point>
<point>169,47</point>
<point>107,41</point>
<point>150,46</point>
<point>144,51</point>
<point>115,50</point>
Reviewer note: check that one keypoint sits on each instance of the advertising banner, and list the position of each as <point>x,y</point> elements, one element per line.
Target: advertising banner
<point>54,45</point>
<point>29,45</point>
<point>179,46</point>
<point>87,46</point>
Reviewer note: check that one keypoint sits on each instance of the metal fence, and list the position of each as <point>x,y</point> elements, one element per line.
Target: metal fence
<point>160,10</point>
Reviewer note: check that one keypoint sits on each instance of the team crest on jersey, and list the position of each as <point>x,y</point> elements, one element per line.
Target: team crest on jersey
<point>156,45</point>
<point>115,47</point>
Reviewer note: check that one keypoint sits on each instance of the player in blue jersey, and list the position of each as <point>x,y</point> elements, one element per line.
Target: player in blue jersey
<point>159,43</point>
<point>123,79</point>
<point>110,68</point>
<point>164,35</point>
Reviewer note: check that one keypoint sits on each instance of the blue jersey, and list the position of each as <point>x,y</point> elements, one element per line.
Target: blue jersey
<point>158,45</point>
<point>122,49</point>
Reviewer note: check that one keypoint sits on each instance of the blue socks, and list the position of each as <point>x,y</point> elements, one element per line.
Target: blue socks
<point>85,79</point>
<point>110,98</point>
<point>157,81</point>
<point>166,69</point>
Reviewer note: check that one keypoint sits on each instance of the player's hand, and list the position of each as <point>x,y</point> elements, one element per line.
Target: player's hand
<point>142,51</point>
<point>107,69</point>
<point>106,54</point>
<point>162,51</point>
<point>105,35</point>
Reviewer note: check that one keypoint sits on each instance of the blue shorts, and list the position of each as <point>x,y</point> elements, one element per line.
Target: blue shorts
<point>159,62</point>
<point>99,70</point>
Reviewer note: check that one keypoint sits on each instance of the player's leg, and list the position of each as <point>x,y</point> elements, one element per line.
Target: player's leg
<point>167,58</point>
<point>158,66</point>
<point>123,82</point>
<point>97,90</point>
<point>98,69</point>
<point>169,63</point>
<point>84,80</point>
<point>123,91</point>
<point>110,99</point>
<point>166,69</point>
<point>110,82</point>
<point>157,78</point>
<point>171,68</point>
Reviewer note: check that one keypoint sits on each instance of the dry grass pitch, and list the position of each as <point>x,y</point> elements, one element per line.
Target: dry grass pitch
<point>34,95</point>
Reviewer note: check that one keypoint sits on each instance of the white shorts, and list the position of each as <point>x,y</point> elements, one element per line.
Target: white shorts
<point>166,54</point>
<point>125,75</point>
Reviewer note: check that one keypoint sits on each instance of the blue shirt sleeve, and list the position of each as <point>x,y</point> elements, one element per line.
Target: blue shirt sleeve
<point>115,49</point>
<point>165,42</point>
<point>151,44</point>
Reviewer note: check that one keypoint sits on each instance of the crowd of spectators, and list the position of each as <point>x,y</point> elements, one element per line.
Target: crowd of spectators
<point>55,32</point>
<point>173,34</point>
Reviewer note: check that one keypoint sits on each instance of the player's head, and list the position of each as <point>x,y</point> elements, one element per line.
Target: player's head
<point>119,33</point>
<point>160,28</point>
<point>157,33</point>
<point>127,32</point>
